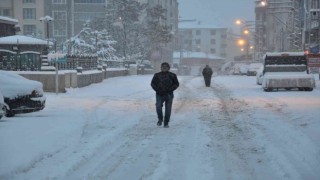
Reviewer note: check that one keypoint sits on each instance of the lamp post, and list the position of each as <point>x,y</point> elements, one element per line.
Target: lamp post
<point>47,19</point>
<point>245,32</point>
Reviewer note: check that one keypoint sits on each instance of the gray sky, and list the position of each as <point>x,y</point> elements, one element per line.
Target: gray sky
<point>221,13</point>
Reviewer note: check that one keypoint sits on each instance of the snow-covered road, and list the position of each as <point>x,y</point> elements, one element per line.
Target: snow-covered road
<point>232,130</point>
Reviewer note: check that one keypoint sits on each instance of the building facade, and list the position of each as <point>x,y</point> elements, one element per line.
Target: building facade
<point>279,25</point>
<point>196,37</point>
<point>165,53</point>
<point>71,16</point>
<point>312,25</point>
<point>8,26</point>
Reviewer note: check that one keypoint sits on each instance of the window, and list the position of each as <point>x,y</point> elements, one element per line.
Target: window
<point>6,12</point>
<point>29,1</point>
<point>58,1</point>
<point>89,1</point>
<point>212,51</point>
<point>85,16</point>
<point>59,15</point>
<point>213,41</point>
<point>198,32</point>
<point>29,29</point>
<point>59,32</point>
<point>29,13</point>
<point>213,32</point>
<point>223,45</point>
<point>223,36</point>
<point>315,4</point>
<point>198,41</point>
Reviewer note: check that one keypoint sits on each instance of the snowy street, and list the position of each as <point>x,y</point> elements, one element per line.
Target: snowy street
<point>231,130</point>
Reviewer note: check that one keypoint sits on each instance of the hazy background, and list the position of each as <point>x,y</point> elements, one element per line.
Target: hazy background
<point>221,13</point>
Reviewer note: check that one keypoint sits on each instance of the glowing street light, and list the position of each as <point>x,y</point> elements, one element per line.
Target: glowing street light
<point>246,32</point>
<point>241,42</point>
<point>263,3</point>
<point>238,22</point>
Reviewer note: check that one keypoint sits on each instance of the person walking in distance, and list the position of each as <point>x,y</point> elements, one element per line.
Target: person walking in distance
<point>207,73</point>
<point>164,83</point>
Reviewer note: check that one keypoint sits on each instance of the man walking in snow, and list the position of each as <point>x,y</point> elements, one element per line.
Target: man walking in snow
<point>164,83</point>
<point>207,73</point>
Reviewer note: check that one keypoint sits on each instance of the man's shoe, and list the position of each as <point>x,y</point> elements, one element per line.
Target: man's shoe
<point>159,123</point>
<point>166,126</point>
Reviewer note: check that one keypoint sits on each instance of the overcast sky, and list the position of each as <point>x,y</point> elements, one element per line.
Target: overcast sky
<point>221,13</point>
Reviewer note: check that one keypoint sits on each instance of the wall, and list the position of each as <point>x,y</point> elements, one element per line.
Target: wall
<point>71,79</point>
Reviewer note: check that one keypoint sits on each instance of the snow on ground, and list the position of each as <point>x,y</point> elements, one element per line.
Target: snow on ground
<point>232,130</point>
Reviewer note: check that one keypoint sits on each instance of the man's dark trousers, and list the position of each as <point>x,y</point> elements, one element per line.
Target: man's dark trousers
<point>167,99</point>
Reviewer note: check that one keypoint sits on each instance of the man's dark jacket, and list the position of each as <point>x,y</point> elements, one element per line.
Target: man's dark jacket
<point>207,72</point>
<point>164,83</point>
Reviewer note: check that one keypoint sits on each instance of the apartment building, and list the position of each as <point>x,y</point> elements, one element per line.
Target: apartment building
<point>165,53</point>
<point>280,25</point>
<point>6,8</point>
<point>197,37</point>
<point>312,25</point>
<point>70,16</point>
<point>28,13</point>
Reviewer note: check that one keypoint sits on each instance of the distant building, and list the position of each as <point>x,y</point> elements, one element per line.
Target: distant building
<point>8,26</point>
<point>198,37</point>
<point>70,16</point>
<point>197,60</point>
<point>312,23</point>
<point>165,53</point>
<point>21,53</point>
<point>28,13</point>
<point>282,25</point>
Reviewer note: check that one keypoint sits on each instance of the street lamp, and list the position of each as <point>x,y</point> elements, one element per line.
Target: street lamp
<point>245,34</point>
<point>47,19</point>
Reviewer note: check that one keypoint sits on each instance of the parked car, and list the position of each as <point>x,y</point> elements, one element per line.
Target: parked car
<point>253,68</point>
<point>259,76</point>
<point>244,69</point>
<point>20,94</point>
<point>1,106</point>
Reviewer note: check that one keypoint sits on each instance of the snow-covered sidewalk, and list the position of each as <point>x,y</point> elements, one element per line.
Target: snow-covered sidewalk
<point>233,130</point>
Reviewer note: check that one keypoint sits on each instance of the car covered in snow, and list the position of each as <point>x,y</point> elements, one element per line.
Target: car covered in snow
<point>244,69</point>
<point>253,68</point>
<point>287,70</point>
<point>259,76</point>
<point>1,106</point>
<point>20,95</point>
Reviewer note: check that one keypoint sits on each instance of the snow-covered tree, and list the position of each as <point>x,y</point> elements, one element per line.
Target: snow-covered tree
<point>156,31</point>
<point>124,24</point>
<point>92,42</point>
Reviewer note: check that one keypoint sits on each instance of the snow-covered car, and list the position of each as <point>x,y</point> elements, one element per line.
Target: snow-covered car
<point>253,68</point>
<point>259,76</point>
<point>244,69</point>
<point>1,106</point>
<point>287,70</point>
<point>20,94</point>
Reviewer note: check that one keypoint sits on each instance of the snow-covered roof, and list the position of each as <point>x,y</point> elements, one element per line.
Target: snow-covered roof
<point>196,25</point>
<point>197,55</point>
<point>8,20</point>
<point>19,39</point>
<point>285,53</point>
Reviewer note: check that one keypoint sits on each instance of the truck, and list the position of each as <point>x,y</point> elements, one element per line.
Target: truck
<point>287,70</point>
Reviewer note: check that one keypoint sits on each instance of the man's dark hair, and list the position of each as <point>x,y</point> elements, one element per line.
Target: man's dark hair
<point>165,64</point>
